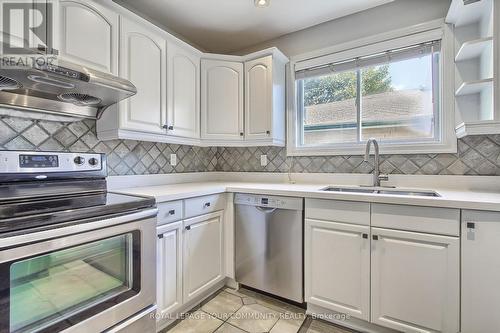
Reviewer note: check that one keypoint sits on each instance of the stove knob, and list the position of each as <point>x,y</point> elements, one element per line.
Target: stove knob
<point>94,161</point>
<point>79,160</point>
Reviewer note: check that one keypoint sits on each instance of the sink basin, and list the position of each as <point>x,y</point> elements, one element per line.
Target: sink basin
<point>384,191</point>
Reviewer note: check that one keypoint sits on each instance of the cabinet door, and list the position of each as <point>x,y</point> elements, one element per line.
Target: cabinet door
<point>203,254</point>
<point>183,118</point>
<point>169,270</point>
<point>143,62</point>
<point>480,272</point>
<point>337,267</point>
<point>88,34</point>
<point>258,98</point>
<point>222,100</point>
<point>415,281</point>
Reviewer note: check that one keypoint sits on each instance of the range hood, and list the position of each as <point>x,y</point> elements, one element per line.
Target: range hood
<point>65,89</point>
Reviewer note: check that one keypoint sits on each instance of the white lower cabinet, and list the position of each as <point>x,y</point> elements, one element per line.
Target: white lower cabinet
<point>169,268</point>
<point>415,281</point>
<point>480,272</point>
<point>203,254</point>
<point>337,266</point>
<point>407,281</point>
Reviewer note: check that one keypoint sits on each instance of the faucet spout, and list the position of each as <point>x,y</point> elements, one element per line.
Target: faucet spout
<point>376,171</point>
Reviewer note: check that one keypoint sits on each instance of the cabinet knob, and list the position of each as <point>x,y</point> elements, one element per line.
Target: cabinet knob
<point>471,225</point>
<point>375,237</point>
<point>171,212</point>
<point>241,134</point>
<point>160,236</point>
<point>206,205</point>
<point>365,236</point>
<point>188,227</point>
<point>268,132</point>
<point>168,127</point>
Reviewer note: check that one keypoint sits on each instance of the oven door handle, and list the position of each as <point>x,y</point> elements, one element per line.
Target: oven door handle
<point>75,229</point>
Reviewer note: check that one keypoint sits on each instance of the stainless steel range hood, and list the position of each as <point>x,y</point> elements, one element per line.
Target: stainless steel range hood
<point>64,89</point>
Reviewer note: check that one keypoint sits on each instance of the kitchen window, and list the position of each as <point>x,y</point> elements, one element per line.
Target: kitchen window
<point>394,96</point>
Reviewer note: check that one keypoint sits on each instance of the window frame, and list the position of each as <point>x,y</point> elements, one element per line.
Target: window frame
<point>434,30</point>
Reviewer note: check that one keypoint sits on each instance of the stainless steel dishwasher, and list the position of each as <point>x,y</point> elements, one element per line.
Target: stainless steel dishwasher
<point>269,244</point>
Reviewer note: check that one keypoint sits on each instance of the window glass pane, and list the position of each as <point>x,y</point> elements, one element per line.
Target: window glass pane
<point>329,108</point>
<point>45,289</point>
<point>397,101</point>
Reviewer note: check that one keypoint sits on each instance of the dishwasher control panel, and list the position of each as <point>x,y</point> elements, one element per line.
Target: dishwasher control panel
<point>269,201</point>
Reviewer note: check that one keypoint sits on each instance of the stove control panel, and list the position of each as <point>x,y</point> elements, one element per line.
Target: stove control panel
<point>25,162</point>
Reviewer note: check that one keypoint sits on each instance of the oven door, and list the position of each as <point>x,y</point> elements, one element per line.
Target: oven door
<point>85,281</point>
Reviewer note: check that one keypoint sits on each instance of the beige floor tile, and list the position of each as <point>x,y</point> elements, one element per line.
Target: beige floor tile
<point>197,322</point>
<point>254,318</point>
<point>226,328</point>
<point>223,305</point>
<point>288,325</point>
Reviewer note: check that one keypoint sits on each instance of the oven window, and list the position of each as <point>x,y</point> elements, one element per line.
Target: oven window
<point>46,289</point>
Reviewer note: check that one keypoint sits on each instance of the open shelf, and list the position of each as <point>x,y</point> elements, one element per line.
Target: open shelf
<point>461,14</point>
<point>473,49</point>
<point>474,87</point>
<point>478,128</point>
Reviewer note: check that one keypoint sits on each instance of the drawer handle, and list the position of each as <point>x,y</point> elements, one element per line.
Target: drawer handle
<point>171,212</point>
<point>206,205</point>
<point>365,236</point>
<point>188,227</point>
<point>375,237</point>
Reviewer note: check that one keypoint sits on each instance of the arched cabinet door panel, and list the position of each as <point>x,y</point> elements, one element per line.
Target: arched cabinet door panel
<point>87,34</point>
<point>143,62</point>
<point>259,98</point>
<point>222,100</point>
<point>183,116</point>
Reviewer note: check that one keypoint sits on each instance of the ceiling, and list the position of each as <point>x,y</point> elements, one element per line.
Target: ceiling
<point>226,26</point>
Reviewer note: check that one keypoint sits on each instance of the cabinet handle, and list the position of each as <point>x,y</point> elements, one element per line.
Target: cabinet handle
<point>241,133</point>
<point>365,236</point>
<point>375,237</point>
<point>268,132</point>
<point>171,212</point>
<point>188,227</point>
<point>471,225</point>
<point>206,205</point>
<point>160,236</point>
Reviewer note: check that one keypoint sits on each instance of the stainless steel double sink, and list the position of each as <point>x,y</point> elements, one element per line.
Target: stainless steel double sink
<point>381,190</point>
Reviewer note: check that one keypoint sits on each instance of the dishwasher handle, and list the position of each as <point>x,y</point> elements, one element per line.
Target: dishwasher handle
<point>266,210</point>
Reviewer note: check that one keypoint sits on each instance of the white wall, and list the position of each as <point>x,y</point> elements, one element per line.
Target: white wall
<point>395,15</point>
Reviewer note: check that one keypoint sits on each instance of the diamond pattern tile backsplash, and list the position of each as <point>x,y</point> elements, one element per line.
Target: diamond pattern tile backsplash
<point>125,157</point>
<point>477,155</point>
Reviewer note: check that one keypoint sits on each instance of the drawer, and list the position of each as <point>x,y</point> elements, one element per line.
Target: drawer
<point>338,211</point>
<point>444,221</point>
<point>204,205</point>
<point>169,212</point>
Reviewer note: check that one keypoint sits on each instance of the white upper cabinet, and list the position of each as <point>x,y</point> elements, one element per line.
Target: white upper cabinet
<point>143,62</point>
<point>340,280</point>
<point>183,87</point>
<point>88,34</point>
<point>259,98</point>
<point>222,100</point>
<point>253,116</point>
<point>415,281</point>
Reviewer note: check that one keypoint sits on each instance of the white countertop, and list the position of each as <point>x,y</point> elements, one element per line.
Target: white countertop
<point>449,198</point>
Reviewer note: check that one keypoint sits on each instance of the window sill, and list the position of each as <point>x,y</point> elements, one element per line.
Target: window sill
<point>385,148</point>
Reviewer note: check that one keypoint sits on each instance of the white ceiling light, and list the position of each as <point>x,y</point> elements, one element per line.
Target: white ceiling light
<point>262,3</point>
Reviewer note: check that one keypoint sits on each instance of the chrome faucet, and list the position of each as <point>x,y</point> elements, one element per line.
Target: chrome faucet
<point>377,177</point>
